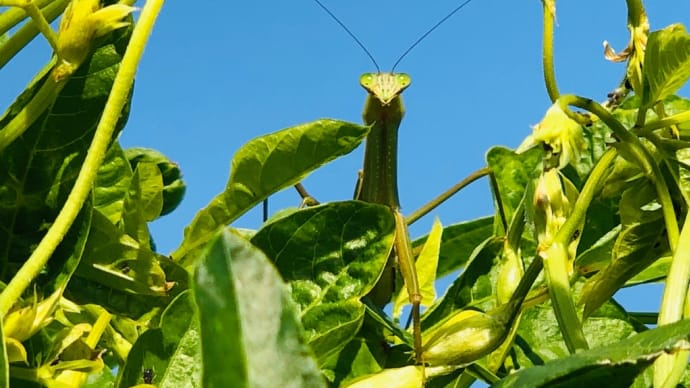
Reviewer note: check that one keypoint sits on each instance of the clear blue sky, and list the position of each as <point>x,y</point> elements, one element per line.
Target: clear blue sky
<point>218,73</point>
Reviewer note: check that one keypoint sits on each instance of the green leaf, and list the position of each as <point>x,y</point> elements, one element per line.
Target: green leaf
<point>513,173</point>
<point>475,286</point>
<point>654,273</point>
<point>265,165</point>
<point>683,173</point>
<point>637,246</point>
<point>458,241</point>
<point>666,64</point>
<point>112,183</point>
<point>173,185</point>
<point>331,325</point>
<point>39,168</point>
<point>143,202</point>
<point>69,253</point>
<point>172,351</point>
<point>347,246</point>
<point>621,361</point>
<point>599,254</point>
<point>103,379</point>
<point>539,339</point>
<point>133,306</point>
<point>426,265</point>
<point>116,260</point>
<point>359,357</point>
<point>149,190</point>
<point>250,332</point>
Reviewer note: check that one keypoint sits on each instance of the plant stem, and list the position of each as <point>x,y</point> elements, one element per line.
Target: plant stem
<point>547,50</point>
<point>94,157</point>
<point>556,269</point>
<point>406,263</point>
<point>668,121</point>
<point>632,148</point>
<point>674,299</point>
<point>38,19</point>
<point>15,15</point>
<point>307,199</point>
<point>431,205</point>
<point>556,258</point>
<point>591,188</point>
<point>28,31</point>
<point>44,98</point>
<point>635,12</point>
<point>499,202</point>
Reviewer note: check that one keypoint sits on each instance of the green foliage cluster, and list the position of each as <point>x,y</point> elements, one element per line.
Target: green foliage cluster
<point>593,201</point>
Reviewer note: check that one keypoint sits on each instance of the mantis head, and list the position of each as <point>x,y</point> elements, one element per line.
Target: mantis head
<point>385,86</point>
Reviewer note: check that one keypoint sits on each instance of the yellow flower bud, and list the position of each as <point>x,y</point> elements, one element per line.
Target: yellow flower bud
<point>509,275</point>
<point>82,22</point>
<point>552,204</point>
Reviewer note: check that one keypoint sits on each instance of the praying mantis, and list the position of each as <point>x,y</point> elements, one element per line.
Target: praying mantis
<point>384,111</point>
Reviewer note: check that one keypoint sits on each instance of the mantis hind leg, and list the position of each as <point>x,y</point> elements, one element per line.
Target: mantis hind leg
<point>403,250</point>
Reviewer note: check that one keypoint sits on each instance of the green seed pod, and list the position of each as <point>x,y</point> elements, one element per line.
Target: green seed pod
<point>411,376</point>
<point>465,337</point>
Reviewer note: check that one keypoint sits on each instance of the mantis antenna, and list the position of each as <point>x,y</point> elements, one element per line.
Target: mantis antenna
<point>352,35</point>
<point>418,41</point>
<point>435,26</point>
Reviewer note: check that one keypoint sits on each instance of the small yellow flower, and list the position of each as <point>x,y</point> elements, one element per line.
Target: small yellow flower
<point>82,22</point>
<point>562,134</point>
<point>24,322</point>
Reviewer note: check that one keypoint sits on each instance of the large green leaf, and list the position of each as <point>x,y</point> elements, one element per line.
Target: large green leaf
<point>85,291</point>
<point>112,183</point>
<point>39,168</point>
<point>171,353</point>
<point>359,357</point>
<point>539,338</point>
<point>637,246</point>
<point>475,286</point>
<point>348,246</point>
<point>618,363</point>
<point>598,255</point>
<point>458,243</point>
<point>654,273</point>
<point>250,331</point>
<point>143,202</point>
<point>116,260</point>
<point>265,165</point>
<point>666,64</point>
<point>513,173</point>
